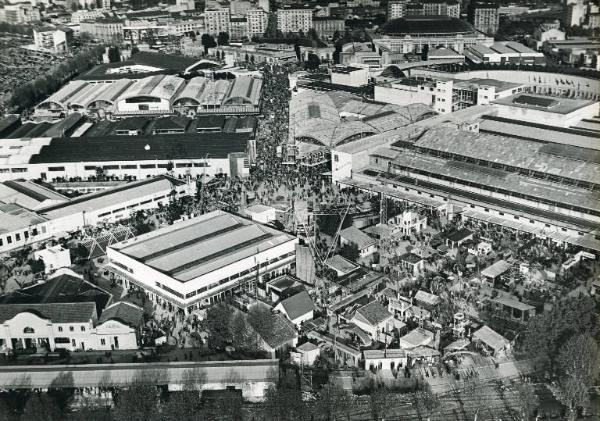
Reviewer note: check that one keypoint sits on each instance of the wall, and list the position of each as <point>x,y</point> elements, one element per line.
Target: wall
<point>542,81</point>
<point>107,331</point>
<point>547,117</point>
<point>403,97</point>
<point>78,169</point>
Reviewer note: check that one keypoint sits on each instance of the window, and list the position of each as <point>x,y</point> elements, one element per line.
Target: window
<point>17,237</point>
<point>61,340</point>
<point>26,234</point>
<point>90,168</point>
<point>516,217</point>
<point>83,328</point>
<point>71,329</point>
<point>60,329</point>
<point>18,170</point>
<point>102,341</point>
<point>56,168</point>
<point>336,158</point>
<point>146,166</point>
<point>486,209</point>
<point>111,167</point>
<point>501,213</point>
<point>1,242</point>
<point>28,330</point>
<point>183,165</point>
<point>129,167</point>
<point>8,239</point>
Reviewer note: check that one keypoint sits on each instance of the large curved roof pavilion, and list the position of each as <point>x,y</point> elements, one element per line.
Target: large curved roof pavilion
<point>426,26</point>
<point>245,91</point>
<point>190,95</point>
<point>316,118</point>
<point>108,96</point>
<point>214,93</point>
<point>161,87</point>
<point>60,100</point>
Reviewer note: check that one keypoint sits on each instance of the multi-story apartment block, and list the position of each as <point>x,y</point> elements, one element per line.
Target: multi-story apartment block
<point>575,14</point>
<point>326,27</point>
<point>79,16</point>
<point>217,20</point>
<point>401,8</point>
<point>52,38</point>
<point>484,16</point>
<point>238,28</point>
<point>294,19</point>
<point>107,29</point>
<point>396,9</point>
<point>256,20</point>
<point>19,13</point>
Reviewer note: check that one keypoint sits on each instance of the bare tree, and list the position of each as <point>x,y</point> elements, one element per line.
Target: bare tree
<point>579,366</point>
<point>331,401</point>
<point>526,400</point>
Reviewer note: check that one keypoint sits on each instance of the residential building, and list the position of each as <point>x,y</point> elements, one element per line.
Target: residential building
<point>257,20</point>
<point>105,29</point>
<point>575,14</point>
<point>511,308</point>
<point>396,9</point>
<point>432,8</point>
<point>484,16</point>
<point>365,244</point>
<point>217,20</point>
<point>209,257</point>
<point>388,359</point>
<point>79,16</point>
<point>309,353</point>
<point>417,338</point>
<point>412,263</point>
<point>326,27</point>
<point>294,19</point>
<point>374,319</point>
<point>55,39</point>
<point>19,13</point>
<point>491,341</point>
<point>238,28</point>
<point>296,305</point>
<point>545,33</point>
<point>67,312</point>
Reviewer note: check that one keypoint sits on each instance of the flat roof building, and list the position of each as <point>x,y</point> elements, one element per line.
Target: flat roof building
<point>198,262</point>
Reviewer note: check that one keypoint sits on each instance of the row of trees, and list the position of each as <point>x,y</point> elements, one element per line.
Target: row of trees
<point>564,342</point>
<point>243,331</point>
<point>31,93</point>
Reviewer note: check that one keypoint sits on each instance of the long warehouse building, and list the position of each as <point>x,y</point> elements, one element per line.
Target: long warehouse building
<point>195,263</point>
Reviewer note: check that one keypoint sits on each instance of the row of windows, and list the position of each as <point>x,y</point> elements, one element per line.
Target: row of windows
<point>511,193</point>
<point>13,170</point>
<point>156,199</point>
<point>18,237</point>
<point>72,328</point>
<point>169,290</point>
<point>239,275</point>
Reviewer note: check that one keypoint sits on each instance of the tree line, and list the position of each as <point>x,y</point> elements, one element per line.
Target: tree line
<point>28,95</point>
